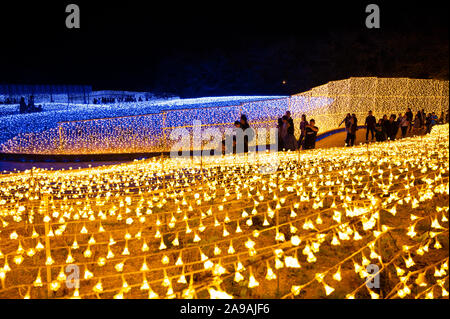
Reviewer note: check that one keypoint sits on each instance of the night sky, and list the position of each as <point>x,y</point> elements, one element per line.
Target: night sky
<point>215,48</point>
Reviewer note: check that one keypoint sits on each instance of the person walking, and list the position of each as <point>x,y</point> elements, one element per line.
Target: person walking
<point>370,125</point>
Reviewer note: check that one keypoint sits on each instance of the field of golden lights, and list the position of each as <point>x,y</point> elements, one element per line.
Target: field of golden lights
<point>275,225</point>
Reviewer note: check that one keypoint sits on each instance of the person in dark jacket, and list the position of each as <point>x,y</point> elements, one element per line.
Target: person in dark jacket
<point>409,116</point>
<point>392,128</point>
<point>22,106</point>
<point>380,134</point>
<point>370,125</point>
<point>351,132</point>
<point>303,124</point>
<point>247,131</point>
<point>244,122</point>
<point>290,120</point>
<point>404,124</point>
<point>345,120</point>
<point>355,121</point>
<point>310,135</point>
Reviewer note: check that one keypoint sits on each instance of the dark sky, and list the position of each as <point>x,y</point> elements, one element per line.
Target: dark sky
<point>193,48</point>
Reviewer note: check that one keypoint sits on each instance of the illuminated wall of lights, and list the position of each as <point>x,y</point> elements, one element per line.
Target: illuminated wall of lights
<point>327,104</point>
<point>176,228</point>
<point>359,95</point>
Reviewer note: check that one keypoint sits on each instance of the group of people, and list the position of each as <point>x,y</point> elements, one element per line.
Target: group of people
<point>112,100</point>
<point>388,128</point>
<point>23,106</point>
<point>380,130</point>
<point>9,101</point>
<point>286,137</point>
<point>242,132</point>
<point>30,107</point>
